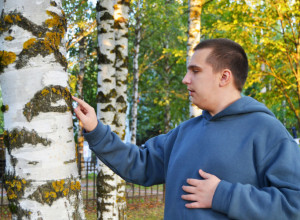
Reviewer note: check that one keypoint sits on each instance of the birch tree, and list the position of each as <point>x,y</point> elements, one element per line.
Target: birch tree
<point>106,104</point>
<point>121,64</point>
<point>41,176</point>
<point>80,138</point>
<point>194,34</point>
<point>136,73</point>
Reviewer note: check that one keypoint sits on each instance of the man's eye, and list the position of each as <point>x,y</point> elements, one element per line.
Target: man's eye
<point>196,71</point>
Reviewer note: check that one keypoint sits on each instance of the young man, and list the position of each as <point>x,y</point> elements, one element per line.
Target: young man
<point>251,163</point>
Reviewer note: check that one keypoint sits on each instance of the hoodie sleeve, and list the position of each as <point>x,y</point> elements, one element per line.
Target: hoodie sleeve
<point>144,166</point>
<point>279,199</point>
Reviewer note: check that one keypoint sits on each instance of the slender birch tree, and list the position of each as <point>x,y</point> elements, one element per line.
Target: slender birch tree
<point>121,16</point>
<point>80,138</point>
<point>136,73</point>
<point>194,34</point>
<point>106,104</point>
<point>41,176</point>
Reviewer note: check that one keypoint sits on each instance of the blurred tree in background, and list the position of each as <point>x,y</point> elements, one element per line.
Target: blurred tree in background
<point>269,32</point>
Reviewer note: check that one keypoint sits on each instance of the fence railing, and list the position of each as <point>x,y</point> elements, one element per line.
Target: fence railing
<point>134,193</point>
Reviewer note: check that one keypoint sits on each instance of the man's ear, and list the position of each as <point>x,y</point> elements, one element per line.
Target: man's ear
<point>225,77</point>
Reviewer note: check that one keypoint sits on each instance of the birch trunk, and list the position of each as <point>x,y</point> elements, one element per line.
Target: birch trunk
<point>136,75</point>
<point>41,176</point>
<point>80,138</point>
<point>195,9</point>
<point>106,103</point>
<point>121,16</point>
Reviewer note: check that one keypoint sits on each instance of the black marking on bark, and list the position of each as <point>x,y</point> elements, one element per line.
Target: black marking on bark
<point>53,3</point>
<point>122,110</point>
<point>103,190</point>
<point>103,31</point>
<point>41,102</point>
<point>124,2</point>
<point>39,48</point>
<point>102,98</point>
<point>13,161</point>
<point>102,59</point>
<point>99,7</point>
<point>4,108</point>
<point>106,16</point>
<point>33,162</point>
<point>121,82</point>
<point>121,99</point>
<point>108,108</point>
<point>70,161</point>
<point>18,19</point>
<point>16,139</point>
<point>107,80</point>
<point>116,121</point>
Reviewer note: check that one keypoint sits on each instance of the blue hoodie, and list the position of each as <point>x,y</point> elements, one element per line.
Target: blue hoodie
<point>244,145</point>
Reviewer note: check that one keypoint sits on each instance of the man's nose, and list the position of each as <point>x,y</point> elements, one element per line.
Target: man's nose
<point>186,80</point>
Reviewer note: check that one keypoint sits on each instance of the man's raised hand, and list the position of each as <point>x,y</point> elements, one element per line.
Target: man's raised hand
<point>86,114</point>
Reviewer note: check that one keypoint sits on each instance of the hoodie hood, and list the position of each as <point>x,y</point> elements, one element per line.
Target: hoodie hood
<point>243,105</point>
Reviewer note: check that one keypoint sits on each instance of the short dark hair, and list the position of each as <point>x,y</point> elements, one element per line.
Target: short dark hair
<point>227,54</point>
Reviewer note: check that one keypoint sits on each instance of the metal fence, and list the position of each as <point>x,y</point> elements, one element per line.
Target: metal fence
<point>134,193</point>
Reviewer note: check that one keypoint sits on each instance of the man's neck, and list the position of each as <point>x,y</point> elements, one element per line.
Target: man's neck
<point>224,101</point>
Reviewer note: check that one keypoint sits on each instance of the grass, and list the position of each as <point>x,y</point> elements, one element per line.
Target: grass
<point>145,211</point>
<point>136,211</point>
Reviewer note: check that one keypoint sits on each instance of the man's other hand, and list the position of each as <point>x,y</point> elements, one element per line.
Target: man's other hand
<point>201,192</point>
<point>86,114</point>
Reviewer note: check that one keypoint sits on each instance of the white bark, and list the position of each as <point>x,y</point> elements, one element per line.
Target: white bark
<point>106,180</point>
<point>136,75</point>
<point>80,138</point>
<point>121,41</point>
<point>34,165</point>
<point>195,8</point>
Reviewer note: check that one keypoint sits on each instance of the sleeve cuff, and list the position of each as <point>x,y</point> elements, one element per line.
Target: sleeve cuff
<point>222,197</point>
<point>95,136</point>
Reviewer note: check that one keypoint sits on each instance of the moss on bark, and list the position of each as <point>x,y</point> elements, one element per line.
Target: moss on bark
<point>17,138</point>
<point>48,39</point>
<point>15,188</point>
<point>54,190</point>
<point>41,102</point>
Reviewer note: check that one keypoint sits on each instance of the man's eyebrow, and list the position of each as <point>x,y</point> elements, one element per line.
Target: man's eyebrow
<point>194,67</point>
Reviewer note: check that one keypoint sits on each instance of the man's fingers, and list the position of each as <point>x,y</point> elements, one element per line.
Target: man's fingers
<point>204,174</point>
<point>81,102</point>
<point>193,182</point>
<point>79,113</point>
<point>196,205</point>
<point>189,197</point>
<point>189,189</point>
<point>193,205</point>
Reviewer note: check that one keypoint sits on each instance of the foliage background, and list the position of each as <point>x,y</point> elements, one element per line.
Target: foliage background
<point>268,30</point>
